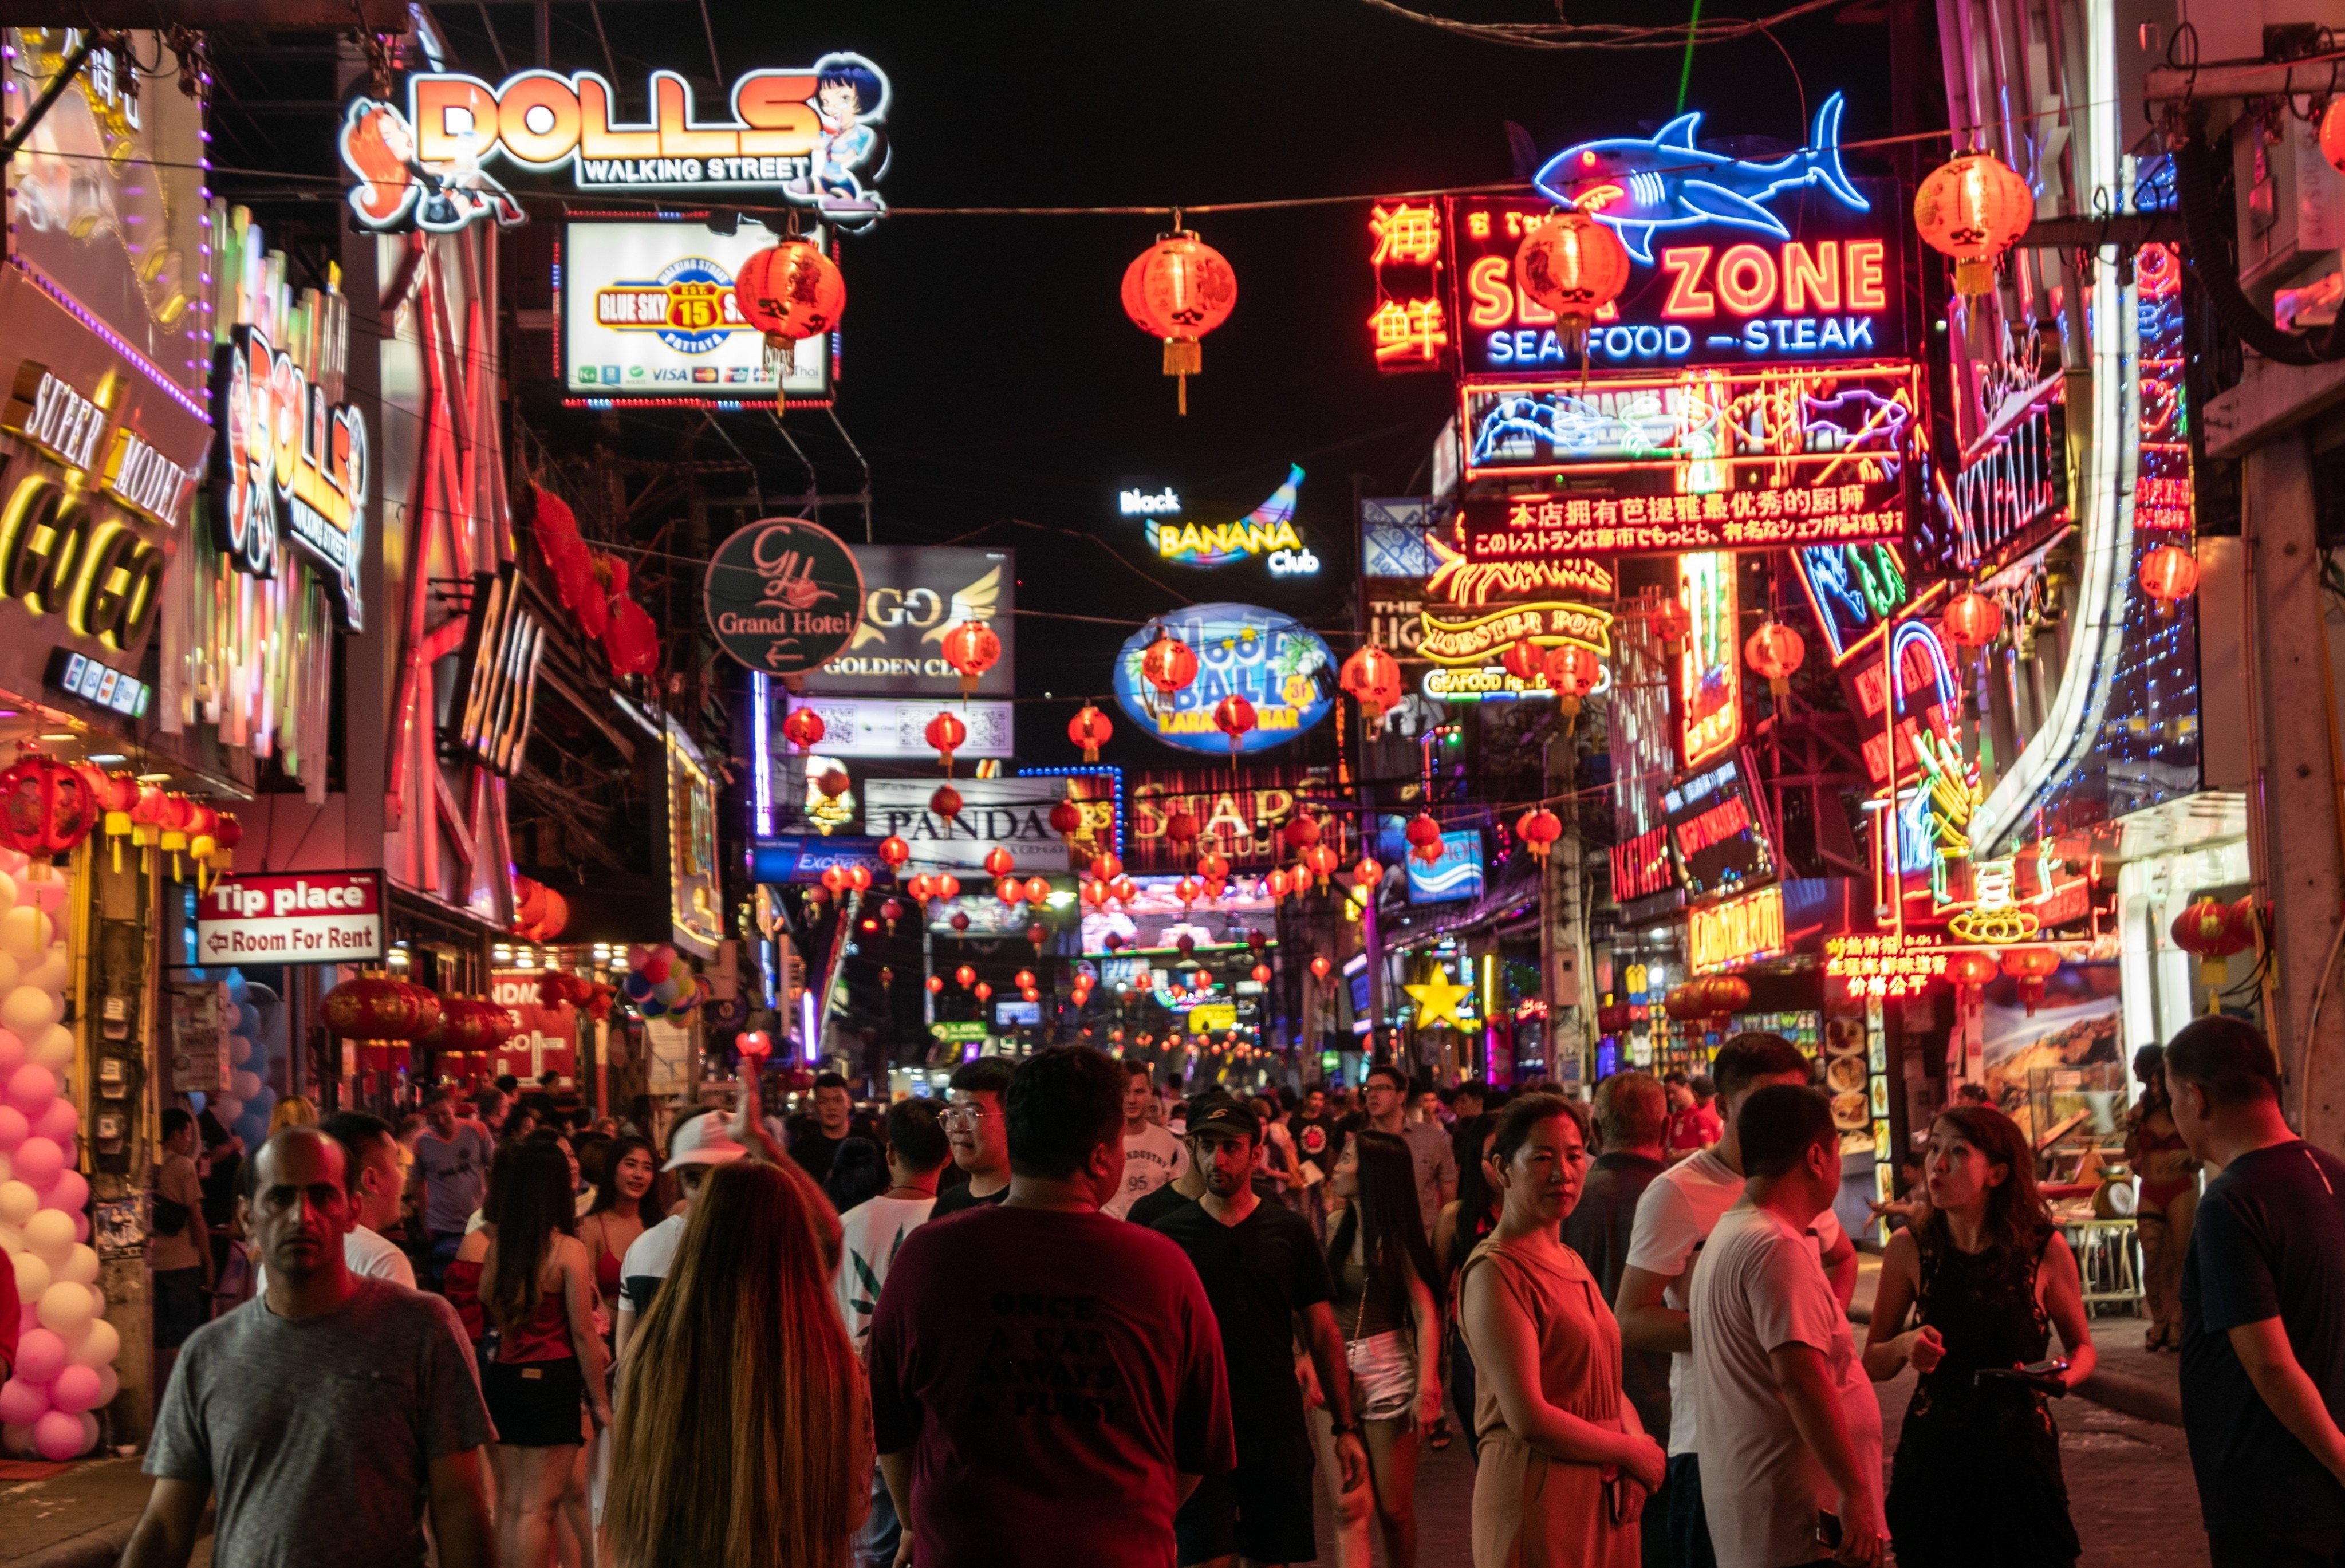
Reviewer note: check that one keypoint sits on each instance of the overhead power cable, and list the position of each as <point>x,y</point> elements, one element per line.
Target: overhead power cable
<point>1605,36</point>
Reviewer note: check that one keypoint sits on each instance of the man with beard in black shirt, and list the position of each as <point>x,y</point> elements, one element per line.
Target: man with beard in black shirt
<point>1262,1268</point>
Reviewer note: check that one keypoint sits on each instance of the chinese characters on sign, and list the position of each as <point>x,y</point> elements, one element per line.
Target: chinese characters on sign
<point>1410,326</point>
<point>1887,966</point>
<point>1720,937</point>
<point>1541,526</point>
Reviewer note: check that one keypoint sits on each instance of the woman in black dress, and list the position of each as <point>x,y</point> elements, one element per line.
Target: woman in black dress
<point>1987,1277</point>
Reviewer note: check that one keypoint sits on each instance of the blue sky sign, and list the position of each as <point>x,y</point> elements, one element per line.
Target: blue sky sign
<point>1270,660</point>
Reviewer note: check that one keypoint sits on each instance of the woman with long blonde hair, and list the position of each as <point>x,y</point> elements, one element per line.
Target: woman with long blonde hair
<point>743,1433</point>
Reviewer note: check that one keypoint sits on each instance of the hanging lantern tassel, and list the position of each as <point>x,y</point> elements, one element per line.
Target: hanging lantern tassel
<point>789,292</point>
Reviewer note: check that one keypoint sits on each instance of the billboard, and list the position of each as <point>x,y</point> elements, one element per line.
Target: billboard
<point>912,596</point>
<point>1239,815</point>
<point>648,315</point>
<point>1456,874</point>
<point>890,727</point>
<point>1272,660</point>
<point>1154,922</point>
<point>1717,829</point>
<point>1013,813</point>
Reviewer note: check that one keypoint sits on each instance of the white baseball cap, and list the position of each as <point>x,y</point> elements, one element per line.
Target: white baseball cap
<point>702,1141</point>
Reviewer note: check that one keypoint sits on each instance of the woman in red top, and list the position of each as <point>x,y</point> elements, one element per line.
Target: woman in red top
<point>538,1291</point>
<point>626,1204</point>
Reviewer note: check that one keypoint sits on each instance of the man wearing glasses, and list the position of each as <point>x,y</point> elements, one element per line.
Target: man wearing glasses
<point>979,1137</point>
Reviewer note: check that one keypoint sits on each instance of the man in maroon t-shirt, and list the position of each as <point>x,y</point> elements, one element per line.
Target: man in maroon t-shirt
<point>1047,1383</point>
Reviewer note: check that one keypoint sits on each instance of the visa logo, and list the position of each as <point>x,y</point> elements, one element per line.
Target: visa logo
<point>668,373</point>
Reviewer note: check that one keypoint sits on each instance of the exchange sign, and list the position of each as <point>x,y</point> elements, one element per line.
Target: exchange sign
<point>781,596</point>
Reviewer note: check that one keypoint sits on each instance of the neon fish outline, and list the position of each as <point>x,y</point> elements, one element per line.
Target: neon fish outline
<point>1664,181</point>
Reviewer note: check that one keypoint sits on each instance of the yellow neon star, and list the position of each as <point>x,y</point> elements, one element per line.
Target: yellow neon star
<point>1438,999</point>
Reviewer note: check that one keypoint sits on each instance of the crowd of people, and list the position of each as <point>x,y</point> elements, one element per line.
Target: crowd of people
<point>1064,1316</point>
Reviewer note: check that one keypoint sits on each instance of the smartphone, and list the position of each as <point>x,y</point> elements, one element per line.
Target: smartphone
<point>1828,1531</point>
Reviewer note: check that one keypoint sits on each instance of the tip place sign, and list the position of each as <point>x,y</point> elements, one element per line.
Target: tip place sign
<point>298,917</point>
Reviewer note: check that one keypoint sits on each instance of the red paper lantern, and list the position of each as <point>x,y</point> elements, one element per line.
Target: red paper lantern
<point>1321,859</point>
<point>1366,875</point>
<point>1725,993</point>
<point>1775,650</point>
<point>1124,890</point>
<point>1574,266</point>
<point>894,852</point>
<point>1262,974</point>
<point>1181,828</point>
<point>1301,831</point>
<point>948,885</point>
<point>935,982</point>
<point>1524,659</point>
<point>2212,931</point>
<point>1066,818</point>
<point>1214,866</point>
<point>1168,664</point>
<point>1038,890</point>
<point>1178,289</point>
<point>859,878</point>
<point>1538,830</point>
<point>2169,574</point>
<point>1024,980</point>
<point>1038,934</point>
<point>1572,672</point>
<point>2031,966</point>
<point>376,1007</point>
<point>966,975</point>
<point>47,806</point>
<point>1090,729</point>
<point>1971,969</point>
<point>631,641</point>
<point>971,650</point>
<point>1685,1004</point>
<point>1972,210</point>
<point>1321,964</point>
<point>923,887</point>
<point>947,734</point>
<point>1971,619</point>
<point>1185,944</point>
<point>1234,716</point>
<point>1186,890</point>
<point>789,292</point>
<point>1106,867</point>
<point>1276,885</point>
<point>833,783</point>
<point>1424,835</point>
<point>1000,862</point>
<point>803,729</point>
<point>1372,678</point>
<point>984,990</point>
<point>833,877</point>
<point>1009,890</point>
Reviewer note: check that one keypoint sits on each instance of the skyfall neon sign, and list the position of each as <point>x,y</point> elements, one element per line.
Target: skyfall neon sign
<point>1728,284</point>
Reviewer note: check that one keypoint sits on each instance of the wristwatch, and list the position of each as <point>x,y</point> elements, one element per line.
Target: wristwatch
<point>1350,1430</point>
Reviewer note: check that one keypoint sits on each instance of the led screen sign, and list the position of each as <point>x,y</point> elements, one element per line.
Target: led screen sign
<point>913,596</point>
<point>892,726</point>
<point>1541,526</point>
<point>813,138</point>
<point>1272,660</point>
<point>1454,874</point>
<point>1718,831</point>
<point>648,314</point>
<point>1238,816</point>
<point>1735,261</point>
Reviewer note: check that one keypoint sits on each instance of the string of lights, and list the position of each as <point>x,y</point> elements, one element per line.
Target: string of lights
<point>1605,36</point>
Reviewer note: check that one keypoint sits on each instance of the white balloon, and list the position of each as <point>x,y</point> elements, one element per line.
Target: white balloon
<point>51,972</point>
<point>28,1011</point>
<point>97,1305</point>
<point>50,1233</point>
<point>80,1265</point>
<point>25,932</point>
<point>96,1348</point>
<point>90,1429</point>
<point>18,1202</point>
<point>32,1276</point>
<point>52,1047</point>
<point>7,891</point>
<point>10,970</point>
<point>65,1309</point>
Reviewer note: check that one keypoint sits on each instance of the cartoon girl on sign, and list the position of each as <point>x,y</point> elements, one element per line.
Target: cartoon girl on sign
<point>851,99</point>
<point>395,190</point>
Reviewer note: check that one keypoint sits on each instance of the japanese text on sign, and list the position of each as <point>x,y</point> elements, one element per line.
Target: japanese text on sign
<point>1532,527</point>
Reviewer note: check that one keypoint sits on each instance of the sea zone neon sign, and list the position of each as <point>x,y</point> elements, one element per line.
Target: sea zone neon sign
<point>812,134</point>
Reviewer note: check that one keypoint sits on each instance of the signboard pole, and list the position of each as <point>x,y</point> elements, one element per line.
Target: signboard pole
<point>1563,931</point>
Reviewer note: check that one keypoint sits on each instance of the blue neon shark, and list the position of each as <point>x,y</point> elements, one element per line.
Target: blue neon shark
<point>1667,183</point>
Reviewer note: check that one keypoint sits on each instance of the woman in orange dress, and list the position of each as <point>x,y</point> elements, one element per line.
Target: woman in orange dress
<point>1566,1466</point>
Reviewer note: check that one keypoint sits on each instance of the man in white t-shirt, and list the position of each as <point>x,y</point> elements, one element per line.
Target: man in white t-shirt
<point>1152,1156</point>
<point>693,1144</point>
<point>372,1169</point>
<point>872,1231</point>
<point>1791,1432</point>
<point>1674,1217</point>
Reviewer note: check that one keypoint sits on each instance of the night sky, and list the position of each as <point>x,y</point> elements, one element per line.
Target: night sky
<point>990,374</point>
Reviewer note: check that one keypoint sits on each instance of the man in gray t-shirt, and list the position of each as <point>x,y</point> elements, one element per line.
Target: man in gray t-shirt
<point>451,1176</point>
<point>325,1414</point>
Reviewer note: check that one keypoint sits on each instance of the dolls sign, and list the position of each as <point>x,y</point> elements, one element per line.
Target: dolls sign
<point>813,136</point>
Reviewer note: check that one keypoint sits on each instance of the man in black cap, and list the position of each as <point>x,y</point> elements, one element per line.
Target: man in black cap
<point>1261,1267</point>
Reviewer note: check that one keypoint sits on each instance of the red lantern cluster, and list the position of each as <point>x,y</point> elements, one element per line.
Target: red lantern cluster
<point>1538,829</point>
<point>540,914</point>
<point>1424,835</point>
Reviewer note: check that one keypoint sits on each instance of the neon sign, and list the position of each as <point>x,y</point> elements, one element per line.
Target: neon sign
<point>1892,964</point>
<point>1274,661</point>
<point>1641,866</point>
<point>813,137</point>
<point>1485,637</point>
<point>293,460</point>
<point>1665,181</point>
<point>1541,526</point>
<point>1139,503</point>
<point>1702,430</point>
<point>1787,260</point>
<point>1919,678</point>
<point>1268,530</point>
<point>1718,831</point>
<point>1710,670</point>
<point>1470,584</point>
<point>1409,328</point>
<point>1719,937</point>
<point>1855,590</point>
